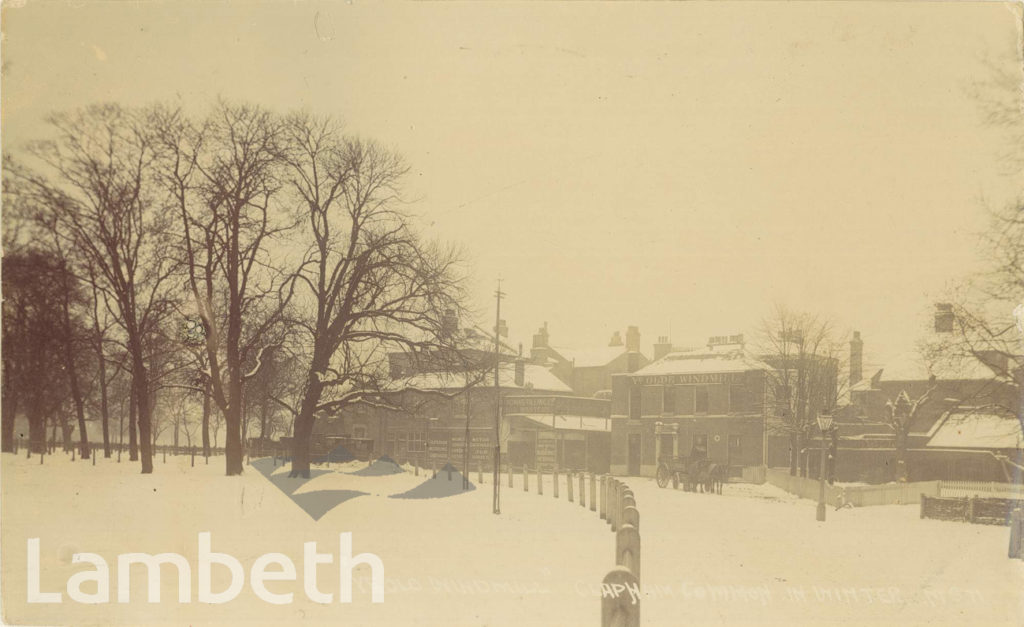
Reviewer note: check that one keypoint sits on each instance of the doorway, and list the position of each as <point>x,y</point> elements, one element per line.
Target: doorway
<point>634,454</point>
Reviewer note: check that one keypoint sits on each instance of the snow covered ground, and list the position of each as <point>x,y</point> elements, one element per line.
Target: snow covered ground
<point>753,555</point>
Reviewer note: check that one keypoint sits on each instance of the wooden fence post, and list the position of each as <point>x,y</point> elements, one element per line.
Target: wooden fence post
<point>631,516</point>
<point>970,509</point>
<point>627,549</point>
<point>620,599</point>
<point>593,492</point>
<point>510,475</point>
<point>603,505</point>
<point>568,484</point>
<point>479,473</point>
<point>554,475</point>
<point>540,481</point>
<point>1017,534</point>
<point>583,489</point>
<point>526,479</point>
<point>449,471</point>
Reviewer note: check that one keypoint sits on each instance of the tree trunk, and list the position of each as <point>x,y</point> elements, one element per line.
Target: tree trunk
<point>206,419</point>
<point>66,433</point>
<point>794,453</point>
<point>7,413</point>
<point>140,381</point>
<point>133,420</point>
<point>104,405</point>
<point>901,454</point>
<point>304,428</point>
<point>36,428</point>
<point>233,455</point>
<point>72,371</point>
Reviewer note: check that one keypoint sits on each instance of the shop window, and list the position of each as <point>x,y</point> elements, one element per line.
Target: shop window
<point>417,442</point>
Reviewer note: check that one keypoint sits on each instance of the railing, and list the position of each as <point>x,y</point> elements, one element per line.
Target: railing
<point>981,488</point>
<point>985,511</point>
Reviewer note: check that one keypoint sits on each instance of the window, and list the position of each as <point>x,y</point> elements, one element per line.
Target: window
<point>737,399</point>
<point>359,432</point>
<point>670,399</point>
<point>701,402</point>
<point>417,442</point>
<point>651,398</point>
<point>684,399</point>
<point>634,403</point>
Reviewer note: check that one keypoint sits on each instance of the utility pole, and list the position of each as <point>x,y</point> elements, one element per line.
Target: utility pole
<point>497,402</point>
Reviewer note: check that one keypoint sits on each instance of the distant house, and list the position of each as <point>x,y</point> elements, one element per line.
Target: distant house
<point>965,427</point>
<point>589,371</point>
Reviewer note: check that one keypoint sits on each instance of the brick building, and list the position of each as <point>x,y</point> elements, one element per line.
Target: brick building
<point>710,401</point>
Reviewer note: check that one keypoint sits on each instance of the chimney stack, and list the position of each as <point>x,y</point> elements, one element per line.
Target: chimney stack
<point>520,373</point>
<point>616,339</point>
<point>662,348</point>
<point>633,339</point>
<point>856,359</point>
<point>539,351</point>
<point>540,338</point>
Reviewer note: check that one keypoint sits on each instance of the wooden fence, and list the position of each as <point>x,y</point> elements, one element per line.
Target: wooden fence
<point>979,510</point>
<point>981,488</point>
<point>908,493</point>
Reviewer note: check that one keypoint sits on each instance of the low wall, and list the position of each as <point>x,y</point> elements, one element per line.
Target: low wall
<point>858,496</point>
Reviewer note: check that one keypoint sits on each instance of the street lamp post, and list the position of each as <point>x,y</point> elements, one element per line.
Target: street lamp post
<point>824,424</point>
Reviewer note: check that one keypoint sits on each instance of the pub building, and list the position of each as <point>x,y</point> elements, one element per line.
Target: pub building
<point>711,402</point>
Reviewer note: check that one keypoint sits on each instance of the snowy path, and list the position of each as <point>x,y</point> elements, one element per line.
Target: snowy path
<point>448,561</point>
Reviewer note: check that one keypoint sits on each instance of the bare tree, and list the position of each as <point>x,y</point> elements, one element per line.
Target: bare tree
<point>223,177</point>
<point>369,282</point>
<point>806,353</point>
<point>95,178</point>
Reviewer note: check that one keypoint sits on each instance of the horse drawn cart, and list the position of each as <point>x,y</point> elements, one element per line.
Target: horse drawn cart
<point>695,472</point>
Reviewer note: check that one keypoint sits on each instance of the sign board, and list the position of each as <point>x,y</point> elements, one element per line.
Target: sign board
<point>547,450</point>
<point>710,378</point>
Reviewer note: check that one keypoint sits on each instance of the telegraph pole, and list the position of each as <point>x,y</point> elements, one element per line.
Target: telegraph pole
<point>497,402</point>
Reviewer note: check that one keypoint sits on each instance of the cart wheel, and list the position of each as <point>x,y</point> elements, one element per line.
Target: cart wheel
<point>663,475</point>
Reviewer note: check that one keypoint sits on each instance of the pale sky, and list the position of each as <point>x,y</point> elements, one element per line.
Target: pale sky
<point>666,165</point>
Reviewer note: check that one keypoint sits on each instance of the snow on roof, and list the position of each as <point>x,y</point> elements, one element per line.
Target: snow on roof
<point>976,428</point>
<point>589,357</point>
<point>912,366</point>
<point>715,359</point>
<point>535,377</point>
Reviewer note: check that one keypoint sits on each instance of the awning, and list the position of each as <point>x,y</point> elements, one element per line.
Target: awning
<point>568,423</point>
